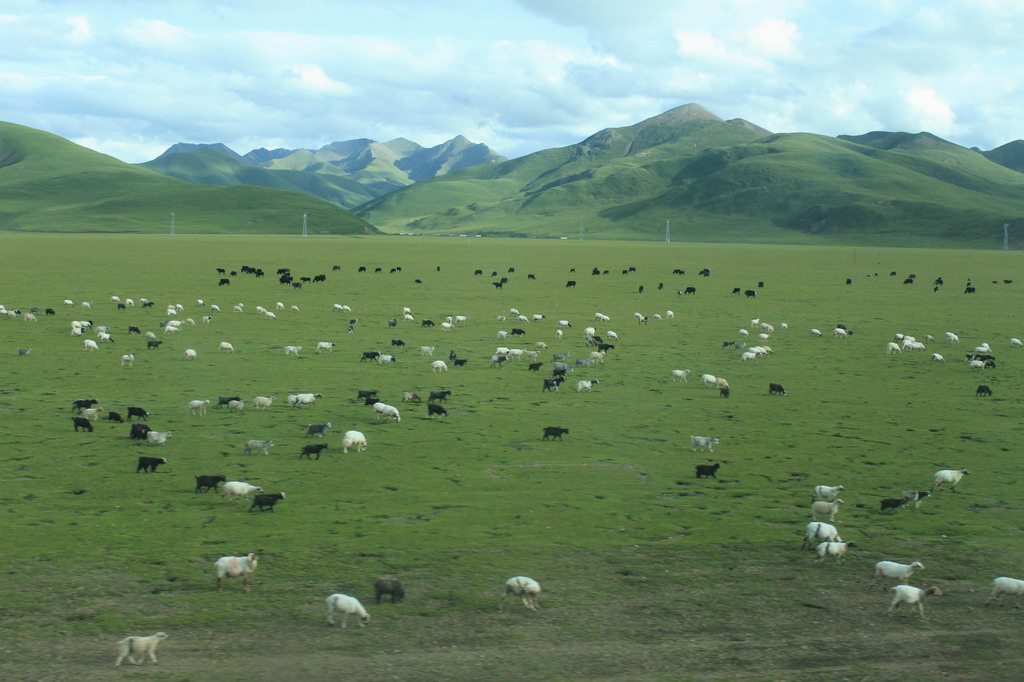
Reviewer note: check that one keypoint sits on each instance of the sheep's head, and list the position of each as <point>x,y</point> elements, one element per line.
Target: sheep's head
<point>917,564</point>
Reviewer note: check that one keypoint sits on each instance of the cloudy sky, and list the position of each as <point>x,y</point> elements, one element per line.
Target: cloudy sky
<point>130,78</point>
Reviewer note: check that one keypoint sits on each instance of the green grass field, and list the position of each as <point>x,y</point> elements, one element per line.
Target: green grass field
<point>648,573</point>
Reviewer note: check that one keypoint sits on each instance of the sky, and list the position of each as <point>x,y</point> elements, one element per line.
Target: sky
<point>131,78</point>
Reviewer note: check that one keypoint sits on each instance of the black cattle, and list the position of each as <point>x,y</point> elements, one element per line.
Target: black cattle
<point>221,271</point>
<point>518,332</point>
<point>706,272</point>
<point>320,278</point>
<point>707,471</point>
<point>552,384</point>
<point>736,290</point>
<point>439,395</point>
<point>776,389</point>
<point>570,283</point>
<point>223,281</point>
<point>312,449</point>
<point>369,355</point>
<point>394,270</point>
<point>265,502</point>
<point>892,274</point>
<point>138,431</point>
<point>433,409</point>
<point>296,285</point>
<point>504,280</point>
<point>362,268</point>
<point>983,390</point>
<point>497,285</point>
<point>149,464</point>
<point>908,280</point>
<point>849,281</point>
<point>153,344</point>
<point>83,403</point>
<point>750,293</point>
<point>115,417</point>
<point>760,285</point>
<point>223,400</point>
<point>132,329</point>
<point>690,290</point>
<point>207,483</point>
<point>511,269</point>
<point>122,306</point>
<point>418,281</point>
<point>625,272</point>
<point>427,323</point>
<point>494,273</point>
<point>632,269</point>
<point>460,362</point>
<point>82,423</point>
<point>397,342</point>
<point>148,304</point>
<point>284,271</point>
<point>535,366</point>
<point>139,412</point>
<point>969,290</point>
<point>554,432</point>
<point>938,282</point>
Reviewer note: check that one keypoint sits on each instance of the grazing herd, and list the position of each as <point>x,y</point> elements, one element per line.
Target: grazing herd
<point>822,537</point>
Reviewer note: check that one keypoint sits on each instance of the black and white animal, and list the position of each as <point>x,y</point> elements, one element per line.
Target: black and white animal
<point>139,431</point>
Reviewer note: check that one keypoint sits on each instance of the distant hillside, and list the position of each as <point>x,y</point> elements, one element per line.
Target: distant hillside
<point>718,180</point>
<point>346,173</point>
<point>1010,155</point>
<point>49,184</point>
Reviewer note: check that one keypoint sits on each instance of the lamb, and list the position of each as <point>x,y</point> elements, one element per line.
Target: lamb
<point>383,410</point>
<point>225,346</point>
<point>826,492</point>
<point>353,438</point>
<point>392,586</point>
<point>234,567</point>
<point>1006,585</point>
<point>190,354</point>
<point>346,605</point>
<point>525,588</point>
<point>438,366</point>
<point>819,530</point>
<point>951,476</point>
<point>910,595</point>
<point>238,489</point>
<point>899,572</point>
<point>129,647</point>
<point>821,508</point>
<point>836,549</point>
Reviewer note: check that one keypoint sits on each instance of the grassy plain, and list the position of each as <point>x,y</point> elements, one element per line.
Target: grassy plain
<point>648,573</point>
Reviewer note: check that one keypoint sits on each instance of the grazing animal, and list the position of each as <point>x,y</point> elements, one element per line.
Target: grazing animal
<point>910,595</point>
<point>392,586</point>
<point>133,646</point>
<point>207,483</point>
<point>554,432</point>
<point>256,445</point>
<point>836,549</point>
<point>983,390</point>
<point>915,496</point>
<point>235,567</point>
<point>826,492</point>
<point>891,503</point>
<point>83,404</point>
<point>433,409</point>
<point>317,430</point>
<point>158,437</point>
<point>198,406</point>
<point>821,531</point>
<point>951,476</point>
<point>409,397</point>
<point>312,449</point>
<point>525,588</point>
<point>137,412</point>
<point>439,396</point>
<point>353,439</point>
<point>895,571</point>
<point>82,423</point>
<point>438,366</point>
<point>149,464</point>
<point>707,470</point>
<point>680,374</point>
<point>346,606</point>
<point>1006,586</point>
<point>821,508</point>
<point>265,502</point>
<point>385,411</point>
<point>776,389</point>
<point>139,431</point>
<point>702,442</point>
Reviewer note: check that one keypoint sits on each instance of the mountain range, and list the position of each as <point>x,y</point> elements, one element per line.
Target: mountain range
<point>711,179</point>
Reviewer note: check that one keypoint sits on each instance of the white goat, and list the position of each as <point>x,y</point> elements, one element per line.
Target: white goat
<point>383,410</point>
<point>822,508</point>
<point>438,366</point>
<point>261,402</point>
<point>234,567</point>
<point>345,605</point>
<point>525,588</point>
<point>910,595</point>
<point>826,492</point>
<point>198,406</point>
<point>133,646</point>
<point>680,374</point>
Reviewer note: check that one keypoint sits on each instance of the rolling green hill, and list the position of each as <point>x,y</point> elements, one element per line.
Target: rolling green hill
<point>49,184</point>
<point>346,173</point>
<point>716,180</point>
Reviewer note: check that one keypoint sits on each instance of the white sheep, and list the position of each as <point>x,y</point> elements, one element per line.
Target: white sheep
<point>438,366</point>
<point>198,406</point>
<point>584,385</point>
<point>129,647</point>
<point>325,346</point>
<point>385,359</point>
<point>1014,341</point>
<point>127,359</point>
<point>895,571</point>
<point>262,402</point>
<point>427,350</point>
<point>236,405</point>
<point>292,350</point>
<point>892,348</point>
<point>746,356</point>
<point>238,489</point>
<point>91,413</point>
<point>383,410</point>
<point>836,549</point>
<point>821,531</point>
<point>707,379</point>
<point>525,588</point>
<point>815,332</point>
<point>826,492</point>
<point>300,399</point>
<point>191,354</point>
<point>446,326</point>
<point>158,437</point>
<point>951,476</point>
<point>952,338</point>
<point>821,508</point>
<point>225,346</point>
<point>353,438</point>
<point>680,374</point>
<point>345,605</point>
<point>936,357</point>
<point>910,595</point>
<point>234,567</point>
<point>89,344</point>
<point>1007,586</point>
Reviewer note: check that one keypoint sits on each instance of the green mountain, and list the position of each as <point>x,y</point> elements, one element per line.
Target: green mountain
<point>347,173</point>
<point>49,184</point>
<point>1010,155</point>
<point>716,180</point>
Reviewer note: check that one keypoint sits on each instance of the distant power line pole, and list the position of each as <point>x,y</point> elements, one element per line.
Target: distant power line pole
<point>172,224</point>
<point>305,230</point>
<point>1006,236</point>
<point>668,239</point>
<point>581,227</point>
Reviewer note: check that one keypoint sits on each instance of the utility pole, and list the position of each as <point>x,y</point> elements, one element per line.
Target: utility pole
<point>305,230</point>
<point>172,224</point>
<point>668,239</point>
<point>581,227</point>
<point>1006,236</point>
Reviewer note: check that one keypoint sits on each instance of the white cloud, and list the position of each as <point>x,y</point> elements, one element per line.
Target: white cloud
<point>80,29</point>
<point>313,78</point>
<point>932,113</point>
